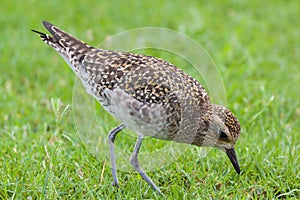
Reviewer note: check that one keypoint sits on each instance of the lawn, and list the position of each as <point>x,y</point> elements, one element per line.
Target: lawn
<point>49,151</point>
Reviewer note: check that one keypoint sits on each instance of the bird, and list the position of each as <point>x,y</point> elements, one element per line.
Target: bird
<point>149,96</point>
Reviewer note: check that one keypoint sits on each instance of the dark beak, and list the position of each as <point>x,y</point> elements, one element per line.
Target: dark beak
<point>232,156</point>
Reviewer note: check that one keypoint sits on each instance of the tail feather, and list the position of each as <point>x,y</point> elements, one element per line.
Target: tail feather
<point>56,32</point>
<point>60,39</point>
<point>66,39</point>
<point>71,49</point>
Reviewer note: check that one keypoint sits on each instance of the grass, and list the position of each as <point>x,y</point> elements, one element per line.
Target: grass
<point>256,48</point>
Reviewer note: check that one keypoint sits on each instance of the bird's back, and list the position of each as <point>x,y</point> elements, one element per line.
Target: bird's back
<point>149,95</point>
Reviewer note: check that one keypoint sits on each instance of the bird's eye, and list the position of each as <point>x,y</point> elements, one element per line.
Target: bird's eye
<point>223,135</point>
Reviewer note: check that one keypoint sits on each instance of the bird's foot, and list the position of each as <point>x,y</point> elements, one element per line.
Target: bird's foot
<point>115,184</point>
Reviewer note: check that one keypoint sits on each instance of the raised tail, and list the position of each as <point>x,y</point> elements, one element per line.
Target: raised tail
<point>51,41</point>
<point>62,38</point>
<point>70,48</point>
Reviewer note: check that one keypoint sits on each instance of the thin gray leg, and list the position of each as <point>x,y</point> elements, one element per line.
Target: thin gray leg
<point>135,163</point>
<point>111,138</point>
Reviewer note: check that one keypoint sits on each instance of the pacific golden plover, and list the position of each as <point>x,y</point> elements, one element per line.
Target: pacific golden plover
<point>149,96</point>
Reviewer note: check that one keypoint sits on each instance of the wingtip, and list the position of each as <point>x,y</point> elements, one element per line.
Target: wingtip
<point>47,24</point>
<point>38,32</point>
<point>50,27</point>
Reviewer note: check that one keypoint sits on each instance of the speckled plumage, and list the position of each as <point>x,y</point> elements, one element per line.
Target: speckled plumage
<point>148,95</point>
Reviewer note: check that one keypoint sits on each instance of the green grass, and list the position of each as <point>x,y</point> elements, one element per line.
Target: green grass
<point>256,48</point>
